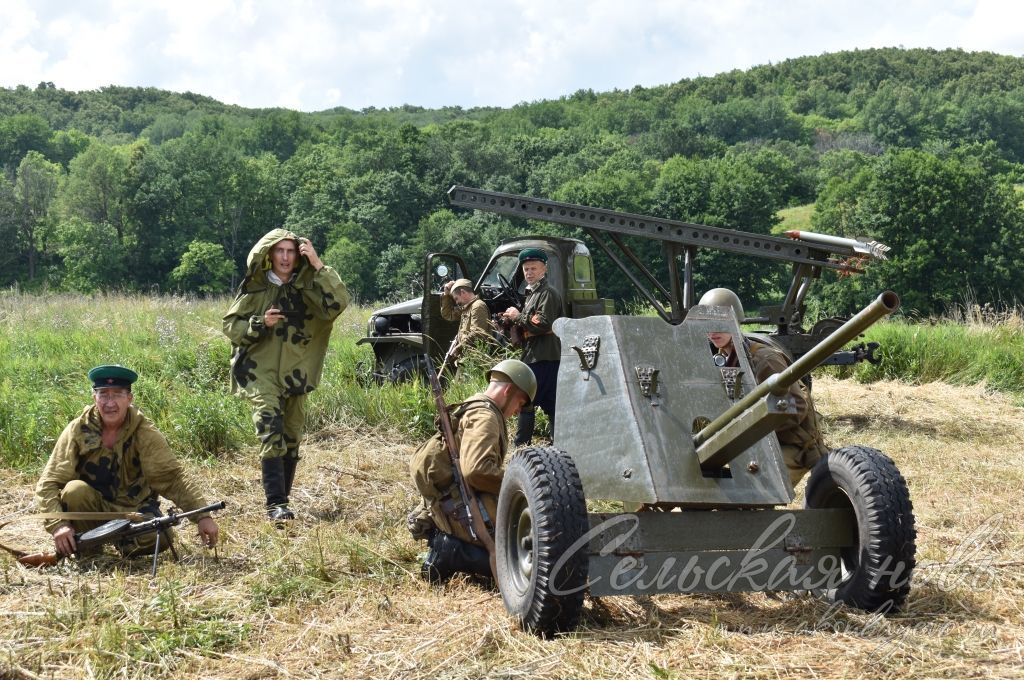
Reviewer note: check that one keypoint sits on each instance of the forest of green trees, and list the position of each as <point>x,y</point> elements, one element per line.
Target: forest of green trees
<point>142,189</point>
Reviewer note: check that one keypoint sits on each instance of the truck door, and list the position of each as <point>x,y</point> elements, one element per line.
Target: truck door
<point>439,269</point>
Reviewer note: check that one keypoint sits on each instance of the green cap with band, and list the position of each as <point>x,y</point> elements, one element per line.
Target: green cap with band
<point>527,254</point>
<point>112,375</point>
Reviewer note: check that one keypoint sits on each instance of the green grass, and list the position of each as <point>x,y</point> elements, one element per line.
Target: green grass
<point>953,353</point>
<point>48,344</point>
<point>798,217</point>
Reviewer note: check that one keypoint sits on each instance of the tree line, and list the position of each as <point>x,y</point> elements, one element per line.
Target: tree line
<point>142,189</point>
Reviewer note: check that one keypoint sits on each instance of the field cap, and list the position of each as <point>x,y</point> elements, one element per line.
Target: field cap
<point>112,375</point>
<point>528,254</point>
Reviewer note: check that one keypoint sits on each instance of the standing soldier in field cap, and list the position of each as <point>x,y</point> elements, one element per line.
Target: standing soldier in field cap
<point>479,428</point>
<point>800,438</point>
<point>113,459</point>
<point>475,327</point>
<point>541,347</point>
<point>279,327</point>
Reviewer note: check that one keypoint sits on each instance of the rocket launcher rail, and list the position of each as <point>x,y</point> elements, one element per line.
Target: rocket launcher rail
<point>645,226</point>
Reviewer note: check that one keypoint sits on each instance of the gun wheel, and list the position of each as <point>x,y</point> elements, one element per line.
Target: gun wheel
<point>541,561</point>
<point>876,570</point>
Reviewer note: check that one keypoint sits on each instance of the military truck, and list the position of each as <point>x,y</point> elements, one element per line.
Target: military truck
<point>687,448</point>
<point>400,334</point>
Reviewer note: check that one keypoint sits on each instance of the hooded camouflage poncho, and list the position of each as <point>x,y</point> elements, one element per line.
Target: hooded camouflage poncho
<point>288,358</point>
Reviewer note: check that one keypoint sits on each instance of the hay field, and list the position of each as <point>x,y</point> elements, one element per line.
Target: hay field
<point>339,595</point>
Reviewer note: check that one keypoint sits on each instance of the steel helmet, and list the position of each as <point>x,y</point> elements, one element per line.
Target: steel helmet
<point>723,297</point>
<point>517,373</point>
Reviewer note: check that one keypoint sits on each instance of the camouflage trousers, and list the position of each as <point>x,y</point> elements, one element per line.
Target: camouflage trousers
<point>78,496</point>
<point>280,424</point>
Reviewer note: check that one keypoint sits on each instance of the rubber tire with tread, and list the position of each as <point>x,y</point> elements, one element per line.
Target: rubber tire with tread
<point>880,565</point>
<point>408,369</point>
<point>542,513</point>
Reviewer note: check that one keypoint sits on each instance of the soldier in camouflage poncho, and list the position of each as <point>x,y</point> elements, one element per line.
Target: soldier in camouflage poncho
<point>279,327</point>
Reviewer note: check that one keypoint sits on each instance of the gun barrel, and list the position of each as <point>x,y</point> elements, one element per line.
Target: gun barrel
<point>886,303</point>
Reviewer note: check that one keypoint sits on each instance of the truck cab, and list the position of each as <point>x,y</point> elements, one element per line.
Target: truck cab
<point>401,334</point>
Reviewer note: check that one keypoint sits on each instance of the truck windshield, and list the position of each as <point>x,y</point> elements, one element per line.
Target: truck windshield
<point>506,266</point>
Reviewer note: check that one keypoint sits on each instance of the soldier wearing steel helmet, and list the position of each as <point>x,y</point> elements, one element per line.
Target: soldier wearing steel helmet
<point>800,436</point>
<point>479,427</point>
<point>459,302</point>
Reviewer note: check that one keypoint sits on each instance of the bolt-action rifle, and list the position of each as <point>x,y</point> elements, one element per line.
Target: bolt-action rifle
<point>119,530</point>
<point>470,515</point>
<point>451,354</point>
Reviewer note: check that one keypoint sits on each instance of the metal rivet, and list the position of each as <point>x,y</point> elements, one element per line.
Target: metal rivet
<point>753,466</point>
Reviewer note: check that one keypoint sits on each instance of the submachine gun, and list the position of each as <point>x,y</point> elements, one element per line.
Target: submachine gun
<point>809,253</point>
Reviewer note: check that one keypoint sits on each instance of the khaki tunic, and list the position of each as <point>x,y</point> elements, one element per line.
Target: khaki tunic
<point>474,320</point>
<point>800,435</point>
<point>133,474</point>
<point>543,306</point>
<point>482,439</point>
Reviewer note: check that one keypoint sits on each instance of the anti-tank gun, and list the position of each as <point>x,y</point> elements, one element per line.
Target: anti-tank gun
<point>647,418</point>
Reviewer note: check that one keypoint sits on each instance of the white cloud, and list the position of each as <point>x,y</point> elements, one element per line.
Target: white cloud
<point>311,55</point>
<point>995,25</point>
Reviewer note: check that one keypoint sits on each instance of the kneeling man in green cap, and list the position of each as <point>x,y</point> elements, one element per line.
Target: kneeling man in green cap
<point>112,458</point>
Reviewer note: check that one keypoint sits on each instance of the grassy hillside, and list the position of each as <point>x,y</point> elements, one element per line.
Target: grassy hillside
<point>797,217</point>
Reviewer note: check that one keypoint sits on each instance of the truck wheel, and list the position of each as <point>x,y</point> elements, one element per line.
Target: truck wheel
<point>542,515</point>
<point>876,571</point>
<point>408,369</point>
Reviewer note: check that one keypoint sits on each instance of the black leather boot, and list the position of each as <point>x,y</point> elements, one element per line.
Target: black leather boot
<point>275,489</point>
<point>449,555</point>
<point>524,431</point>
<point>290,463</point>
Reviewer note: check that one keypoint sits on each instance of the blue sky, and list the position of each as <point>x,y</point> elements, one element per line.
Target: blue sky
<point>311,55</point>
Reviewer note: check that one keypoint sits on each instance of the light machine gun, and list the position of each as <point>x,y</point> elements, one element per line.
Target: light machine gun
<point>120,530</point>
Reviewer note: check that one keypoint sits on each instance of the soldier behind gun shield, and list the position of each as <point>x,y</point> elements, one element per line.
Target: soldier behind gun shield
<point>799,437</point>
<point>482,440</point>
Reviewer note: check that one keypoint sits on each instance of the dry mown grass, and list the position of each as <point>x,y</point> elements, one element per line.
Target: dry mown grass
<point>340,596</point>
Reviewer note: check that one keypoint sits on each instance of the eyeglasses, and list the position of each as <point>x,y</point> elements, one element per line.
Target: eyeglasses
<point>112,395</point>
